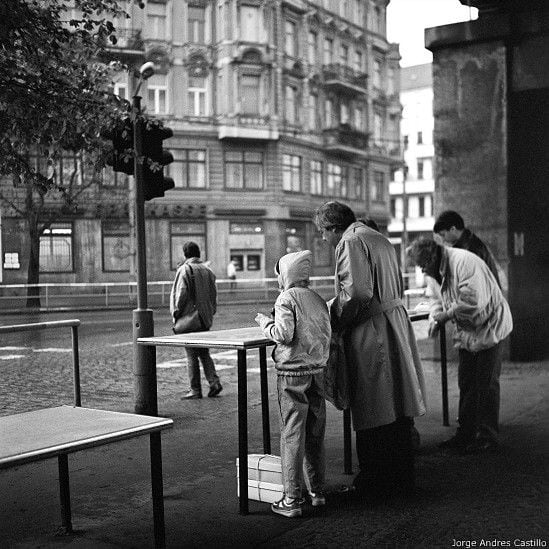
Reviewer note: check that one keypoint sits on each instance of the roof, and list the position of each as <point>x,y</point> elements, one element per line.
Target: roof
<point>417,76</point>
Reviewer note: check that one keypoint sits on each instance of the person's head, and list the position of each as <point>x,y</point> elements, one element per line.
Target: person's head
<point>369,222</point>
<point>426,254</point>
<point>449,225</point>
<point>331,219</point>
<point>294,269</point>
<point>191,249</point>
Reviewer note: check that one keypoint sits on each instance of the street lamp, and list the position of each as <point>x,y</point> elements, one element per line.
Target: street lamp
<point>143,324</point>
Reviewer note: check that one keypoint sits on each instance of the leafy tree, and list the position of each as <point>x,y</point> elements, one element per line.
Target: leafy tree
<point>54,102</point>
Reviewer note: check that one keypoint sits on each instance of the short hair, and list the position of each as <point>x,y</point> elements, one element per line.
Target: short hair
<point>334,215</point>
<point>448,219</point>
<point>422,251</point>
<point>369,222</point>
<point>191,249</point>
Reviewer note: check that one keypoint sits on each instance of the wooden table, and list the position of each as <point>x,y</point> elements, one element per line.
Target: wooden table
<point>240,339</point>
<point>57,432</point>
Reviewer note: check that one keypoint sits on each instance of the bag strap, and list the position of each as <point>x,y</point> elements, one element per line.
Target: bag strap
<point>192,288</point>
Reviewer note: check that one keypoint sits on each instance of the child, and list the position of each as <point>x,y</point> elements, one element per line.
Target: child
<point>301,330</point>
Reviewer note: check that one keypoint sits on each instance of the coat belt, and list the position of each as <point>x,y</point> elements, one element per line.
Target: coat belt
<point>375,308</point>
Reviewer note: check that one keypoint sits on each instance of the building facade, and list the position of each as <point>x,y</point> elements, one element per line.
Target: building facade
<point>276,107</point>
<point>412,188</point>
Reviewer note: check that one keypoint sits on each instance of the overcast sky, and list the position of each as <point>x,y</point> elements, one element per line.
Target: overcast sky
<point>407,19</point>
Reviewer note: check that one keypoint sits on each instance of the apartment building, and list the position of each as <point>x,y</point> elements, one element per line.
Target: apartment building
<point>276,107</point>
<point>412,189</point>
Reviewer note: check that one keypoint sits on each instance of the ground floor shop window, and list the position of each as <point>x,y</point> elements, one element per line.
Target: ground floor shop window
<point>184,232</point>
<point>322,252</point>
<point>116,246</point>
<point>56,249</point>
<point>247,261</point>
<point>295,238</point>
<point>245,228</point>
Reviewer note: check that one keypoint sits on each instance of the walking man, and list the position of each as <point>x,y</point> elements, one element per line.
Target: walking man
<point>194,290</point>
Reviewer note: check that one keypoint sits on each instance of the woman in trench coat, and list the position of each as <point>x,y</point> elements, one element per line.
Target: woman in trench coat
<point>385,374</point>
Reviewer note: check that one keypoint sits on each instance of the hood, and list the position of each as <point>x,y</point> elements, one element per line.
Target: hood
<point>294,267</point>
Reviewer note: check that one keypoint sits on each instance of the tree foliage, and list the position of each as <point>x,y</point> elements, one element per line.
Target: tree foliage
<point>55,98</point>
<point>54,90</point>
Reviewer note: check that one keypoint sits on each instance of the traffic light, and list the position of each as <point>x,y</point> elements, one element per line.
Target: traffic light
<point>155,158</point>
<point>121,157</point>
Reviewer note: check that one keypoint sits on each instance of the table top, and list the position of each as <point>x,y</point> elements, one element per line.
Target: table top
<point>32,436</point>
<point>236,338</point>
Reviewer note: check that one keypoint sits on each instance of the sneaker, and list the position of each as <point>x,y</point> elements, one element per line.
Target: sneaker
<point>288,507</point>
<point>482,446</point>
<point>215,390</point>
<point>191,395</point>
<point>454,443</point>
<point>317,499</point>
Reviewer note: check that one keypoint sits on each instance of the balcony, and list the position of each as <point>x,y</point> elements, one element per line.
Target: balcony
<point>344,79</point>
<point>346,140</point>
<point>242,126</point>
<point>128,41</point>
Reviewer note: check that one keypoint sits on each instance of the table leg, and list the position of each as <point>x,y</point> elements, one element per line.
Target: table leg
<point>243,431</point>
<point>264,400</point>
<point>347,448</point>
<point>157,491</point>
<point>444,376</point>
<point>64,493</point>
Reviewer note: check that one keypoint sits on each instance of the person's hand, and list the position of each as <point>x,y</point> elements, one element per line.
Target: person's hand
<point>434,328</point>
<point>259,317</point>
<point>441,317</point>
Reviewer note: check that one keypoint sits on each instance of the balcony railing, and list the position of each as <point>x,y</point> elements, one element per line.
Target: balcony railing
<point>247,126</point>
<point>128,39</point>
<point>346,139</point>
<point>344,78</point>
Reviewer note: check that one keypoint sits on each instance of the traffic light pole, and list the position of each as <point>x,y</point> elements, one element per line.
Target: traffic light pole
<point>144,356</point>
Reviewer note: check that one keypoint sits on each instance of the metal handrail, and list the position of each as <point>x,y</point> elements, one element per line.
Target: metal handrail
<point>73,324</point>
<point>109,294</point>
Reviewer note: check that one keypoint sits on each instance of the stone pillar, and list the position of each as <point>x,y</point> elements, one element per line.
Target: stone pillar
<point>491,111</point>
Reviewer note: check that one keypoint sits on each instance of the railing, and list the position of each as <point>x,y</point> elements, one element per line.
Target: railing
<point>344,73</point>
<point>347,136</point>
<point>124,294</point>
<point>73,324</point>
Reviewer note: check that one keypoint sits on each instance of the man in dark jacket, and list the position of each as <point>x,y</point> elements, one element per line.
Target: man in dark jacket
<point>450,227</point>
<point>194,288</point>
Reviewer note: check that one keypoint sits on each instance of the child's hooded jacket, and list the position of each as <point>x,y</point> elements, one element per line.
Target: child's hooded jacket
<point>301,324</point>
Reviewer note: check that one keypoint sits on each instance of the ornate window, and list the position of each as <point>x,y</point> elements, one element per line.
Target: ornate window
<point>188,169</point>
<point>291,173</point>
<point>244,170</point>
<point>196,25</point>
<point>316,177</point>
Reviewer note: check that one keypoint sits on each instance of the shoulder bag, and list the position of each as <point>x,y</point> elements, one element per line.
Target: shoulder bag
<point>191,321</point>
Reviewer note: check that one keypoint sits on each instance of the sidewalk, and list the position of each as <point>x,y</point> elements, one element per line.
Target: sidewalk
<point>495,497</point>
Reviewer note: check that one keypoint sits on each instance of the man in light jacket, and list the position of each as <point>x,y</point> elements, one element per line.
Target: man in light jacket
<point>385,373</point>
<point>194,286</point>
<point>471,298</point>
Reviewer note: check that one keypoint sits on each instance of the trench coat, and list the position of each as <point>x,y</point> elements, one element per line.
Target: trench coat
<point>385,372</point>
